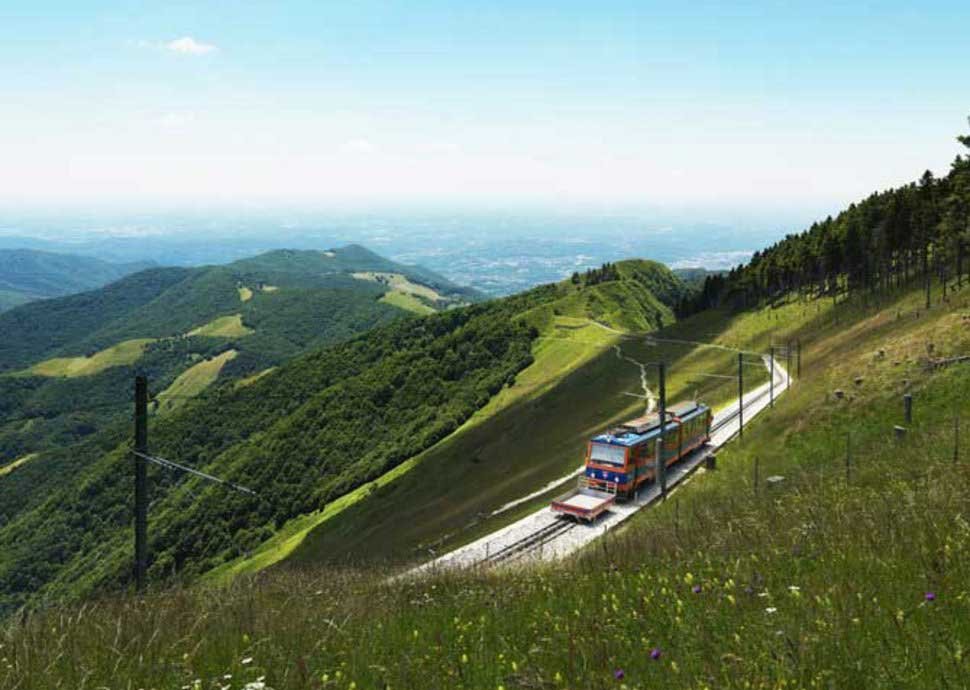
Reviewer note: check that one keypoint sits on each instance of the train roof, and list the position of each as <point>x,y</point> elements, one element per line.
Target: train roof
<point>644,428</point>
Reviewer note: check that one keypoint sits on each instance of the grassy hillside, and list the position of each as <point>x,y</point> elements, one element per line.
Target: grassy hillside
<point>826,578</point>
<point>27,274</point>
<point>305,435</point>
<point>531,432</point>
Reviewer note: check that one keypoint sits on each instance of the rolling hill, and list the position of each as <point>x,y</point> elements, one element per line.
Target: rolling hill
<point>28,274</point>
<point>70,361</point>
<point>859,563</point>
<point>306,434</point>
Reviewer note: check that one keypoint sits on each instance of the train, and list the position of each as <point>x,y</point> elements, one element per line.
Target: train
<point>621,460</point>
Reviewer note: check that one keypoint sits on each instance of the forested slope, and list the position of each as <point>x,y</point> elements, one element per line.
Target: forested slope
<point>303,435</point>
<point>70,361</point>
<point>903,236</point>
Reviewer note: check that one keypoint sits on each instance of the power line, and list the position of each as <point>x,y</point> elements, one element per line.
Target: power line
<point>171,465</point>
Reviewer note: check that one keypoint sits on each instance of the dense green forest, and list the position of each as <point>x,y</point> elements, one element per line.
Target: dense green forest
<point>303,435</point>
<point>891,239</point>
<point>278,305</point>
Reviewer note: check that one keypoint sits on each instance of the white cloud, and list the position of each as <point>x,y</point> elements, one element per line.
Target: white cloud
<point>358,146</point>
<point>174,120</point>
<point>189,46</point>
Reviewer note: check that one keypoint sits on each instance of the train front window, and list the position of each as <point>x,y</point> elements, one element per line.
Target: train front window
<point>607,454</point>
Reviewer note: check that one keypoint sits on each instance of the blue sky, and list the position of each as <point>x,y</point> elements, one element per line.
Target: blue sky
<point>741,104</point>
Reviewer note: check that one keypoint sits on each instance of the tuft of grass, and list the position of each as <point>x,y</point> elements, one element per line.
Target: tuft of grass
<point>126,352</point>
<point>223,327</point>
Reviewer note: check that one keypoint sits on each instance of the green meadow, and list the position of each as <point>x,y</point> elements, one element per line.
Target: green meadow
<point>834,573</point>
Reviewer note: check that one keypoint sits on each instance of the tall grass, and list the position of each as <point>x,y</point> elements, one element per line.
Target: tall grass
<point>827,578</point>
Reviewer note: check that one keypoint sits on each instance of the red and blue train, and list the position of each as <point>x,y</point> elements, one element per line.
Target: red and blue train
<point>623,458</point>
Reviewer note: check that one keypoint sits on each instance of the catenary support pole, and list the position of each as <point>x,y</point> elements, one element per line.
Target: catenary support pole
<point>661,464</point>
<point>788,367</point>
<point>141,481</point>
<point>771,383</point>
<point>740,395</point>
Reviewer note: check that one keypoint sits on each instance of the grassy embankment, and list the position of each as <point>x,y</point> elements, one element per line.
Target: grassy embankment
<point>826,579</point>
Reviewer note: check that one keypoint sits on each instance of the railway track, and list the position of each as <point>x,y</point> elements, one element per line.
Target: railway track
<point>530,542</point>
<point>534,540</point>
<point>734,412</point>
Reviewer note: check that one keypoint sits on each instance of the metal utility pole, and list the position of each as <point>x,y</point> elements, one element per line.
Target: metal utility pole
<point>771,384</point>
<point>788,362</point>
<point>798,367</point>
<point>141,481</point>
<point>740,395</point>
<point>661,464</point>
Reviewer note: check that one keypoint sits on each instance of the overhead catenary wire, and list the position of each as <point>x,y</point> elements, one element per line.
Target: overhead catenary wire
<point>171,465</point>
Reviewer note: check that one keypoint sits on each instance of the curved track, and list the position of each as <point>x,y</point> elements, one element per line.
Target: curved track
<point>546,535</point>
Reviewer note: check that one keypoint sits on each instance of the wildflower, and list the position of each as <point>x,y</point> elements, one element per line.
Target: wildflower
<point>247,660</point>
<point>696,589</point>
<point>619,674</point>
<point>770,609</point>
<point>930,596</point>
<point>655,653</point>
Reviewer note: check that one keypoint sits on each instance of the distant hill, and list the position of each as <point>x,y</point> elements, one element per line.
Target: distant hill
<point>305,433</point>
<point>694,277</point>
<point>29,274</point>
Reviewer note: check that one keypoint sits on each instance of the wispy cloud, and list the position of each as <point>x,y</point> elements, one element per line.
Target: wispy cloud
<point>189,46</point>
<point>358,146</point>
<point>174,120</point>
